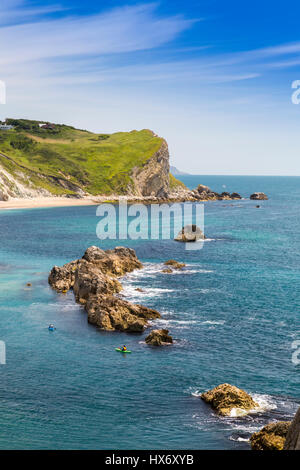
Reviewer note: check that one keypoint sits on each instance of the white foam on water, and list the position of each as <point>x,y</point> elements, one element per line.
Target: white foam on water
<point>213,322</point>
<point>175,324</point>
<point>238,439</point>
<point>266,402</point>
<point>130,291</point>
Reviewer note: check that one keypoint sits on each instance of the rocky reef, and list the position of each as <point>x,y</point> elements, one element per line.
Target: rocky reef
<point>293,436</point>
<point>94,280</point>
<point>271,437</point>
<point>159,338</point>
<point>228,400</point>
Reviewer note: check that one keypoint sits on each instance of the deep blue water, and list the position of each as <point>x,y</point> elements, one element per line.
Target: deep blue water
<point>233,312</point>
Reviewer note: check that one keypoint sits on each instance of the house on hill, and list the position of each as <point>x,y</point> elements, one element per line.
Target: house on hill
<point>5,127</point>
<point>47,126</point>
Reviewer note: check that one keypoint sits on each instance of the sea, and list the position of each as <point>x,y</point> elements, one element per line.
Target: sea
<point>233,312</point>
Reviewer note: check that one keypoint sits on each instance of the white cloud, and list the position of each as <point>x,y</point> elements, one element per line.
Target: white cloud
<point>120,30</point>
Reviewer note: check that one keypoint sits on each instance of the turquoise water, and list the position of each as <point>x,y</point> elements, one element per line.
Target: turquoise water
<point>233,312</point>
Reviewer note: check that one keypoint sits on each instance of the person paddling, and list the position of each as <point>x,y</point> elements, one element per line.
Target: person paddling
<point>124,348</point>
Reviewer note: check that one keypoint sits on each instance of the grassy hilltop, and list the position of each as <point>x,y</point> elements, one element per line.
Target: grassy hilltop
<point>97,163</point>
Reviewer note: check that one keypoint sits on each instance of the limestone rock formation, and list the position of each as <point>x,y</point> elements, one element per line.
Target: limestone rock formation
<point>271,437</point>
<point>190,233</point>
<point>229,400</point>
<point>93,279</point>
<point>293,436</point>
<point>159,338</point>
<point>175,264</point>
<point>152,179</point>
<point>258,196</point>
<point>111,313</point>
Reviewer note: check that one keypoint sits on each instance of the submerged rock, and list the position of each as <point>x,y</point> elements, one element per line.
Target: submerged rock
<point>93,279</point>
<point>258,196</point>
<point>159,338</point>
<point>229,400</point>
<point>190,233</point>
<point>271,437</point>
<point>293,436</point>
<point>175,264</point>
<point>167,271</point>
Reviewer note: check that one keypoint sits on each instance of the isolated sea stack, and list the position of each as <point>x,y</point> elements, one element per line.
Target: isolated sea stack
<point>93,279</point>
<point>229,400</point>
<point>190,233</point>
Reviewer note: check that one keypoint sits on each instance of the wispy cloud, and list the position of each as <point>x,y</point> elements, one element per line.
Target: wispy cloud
<point>120,30</point>
<point>20,11</point>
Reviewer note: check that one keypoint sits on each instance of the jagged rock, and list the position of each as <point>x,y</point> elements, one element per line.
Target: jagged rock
<point>175,264</point>
<point>190,233</point>
<point>94,282</point>
<point>63,278</point>
<point>159,338</point>
<point>203,189</point>
<point>293,436</point>
<point>227,400</point>
<point>90,281</point>
<point>271,437</point>
<point>111,313</point>
<point>118,261</point>
<point>258,196</point>
<point>167,271</point>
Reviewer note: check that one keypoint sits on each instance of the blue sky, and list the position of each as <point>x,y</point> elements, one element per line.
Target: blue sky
<point>212,77</point>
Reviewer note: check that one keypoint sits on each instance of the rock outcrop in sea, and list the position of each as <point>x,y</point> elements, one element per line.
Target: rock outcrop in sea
<point>159,338</point>
<point>271,437</point>
<point>190,233</point>
<point>94,280</point>
<point>174,264</point>
<point>229,400</point>
<point>258,197</point>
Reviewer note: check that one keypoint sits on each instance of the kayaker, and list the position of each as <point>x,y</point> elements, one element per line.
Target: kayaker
<point>124,348</point>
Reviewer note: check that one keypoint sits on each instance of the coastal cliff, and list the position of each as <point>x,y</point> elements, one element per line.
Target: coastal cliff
<point>38,159</point>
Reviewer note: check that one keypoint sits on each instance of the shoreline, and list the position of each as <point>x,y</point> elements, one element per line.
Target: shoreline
<point>45,202</point>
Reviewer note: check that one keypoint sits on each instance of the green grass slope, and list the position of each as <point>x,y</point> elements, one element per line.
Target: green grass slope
<point>96,163</point>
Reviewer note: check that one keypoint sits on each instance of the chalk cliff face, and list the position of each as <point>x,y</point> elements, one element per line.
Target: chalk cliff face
<point>153,178</point>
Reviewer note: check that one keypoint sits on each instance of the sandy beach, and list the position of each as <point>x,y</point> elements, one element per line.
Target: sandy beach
<point>45,202</point>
